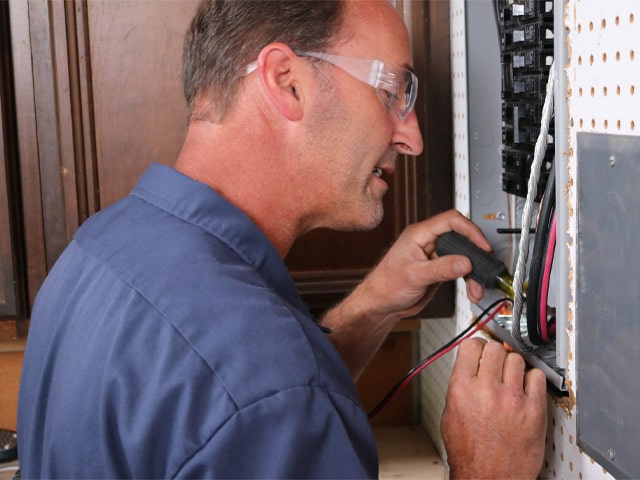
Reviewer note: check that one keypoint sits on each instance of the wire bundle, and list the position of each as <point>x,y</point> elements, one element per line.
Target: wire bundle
<point>523,251</point>
<point>540,270</point>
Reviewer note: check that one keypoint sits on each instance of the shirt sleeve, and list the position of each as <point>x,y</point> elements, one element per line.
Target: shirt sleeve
<point>305,432</point>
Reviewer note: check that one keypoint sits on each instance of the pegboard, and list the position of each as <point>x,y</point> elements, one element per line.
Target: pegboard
<point>602,74</point>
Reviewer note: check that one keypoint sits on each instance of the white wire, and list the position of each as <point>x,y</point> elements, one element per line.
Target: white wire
<point>14,468</point>
<point>532,190</point>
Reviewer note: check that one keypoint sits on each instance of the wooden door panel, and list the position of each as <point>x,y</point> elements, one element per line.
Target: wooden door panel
<point>139,111</point>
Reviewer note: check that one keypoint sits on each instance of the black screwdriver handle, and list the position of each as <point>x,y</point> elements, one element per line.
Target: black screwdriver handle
<point>486,267</point>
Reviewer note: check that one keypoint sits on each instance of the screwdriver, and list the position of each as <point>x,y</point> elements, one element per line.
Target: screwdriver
<point>487,269</point>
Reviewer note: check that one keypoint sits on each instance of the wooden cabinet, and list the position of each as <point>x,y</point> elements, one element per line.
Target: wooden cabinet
<point>91,94</point>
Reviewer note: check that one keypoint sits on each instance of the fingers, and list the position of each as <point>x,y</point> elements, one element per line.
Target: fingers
<point>535,383</point>
<point>492,362</point>
<point>468,358</point>
<point>513,371</point>
<point>429,230</point>
<point>492,428</point>
<point>447,268</point>
<point>474,291</point>
<point>425,234</point>
<point>411,265</point>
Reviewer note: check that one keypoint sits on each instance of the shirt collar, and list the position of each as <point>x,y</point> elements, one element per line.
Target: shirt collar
<point>199,204</point>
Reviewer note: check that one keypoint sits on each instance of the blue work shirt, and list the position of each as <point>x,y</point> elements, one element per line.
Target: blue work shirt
<point>169,341</point>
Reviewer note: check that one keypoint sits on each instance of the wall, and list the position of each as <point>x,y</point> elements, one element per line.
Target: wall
<point>602,74</point>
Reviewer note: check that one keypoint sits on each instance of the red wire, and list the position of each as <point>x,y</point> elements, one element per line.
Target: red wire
<point>444,351</point>
<point>546,274</point>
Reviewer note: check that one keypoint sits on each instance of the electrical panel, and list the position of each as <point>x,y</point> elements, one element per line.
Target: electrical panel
<point>594,358</point>
<point>526,44</point>
<point>510,54</point>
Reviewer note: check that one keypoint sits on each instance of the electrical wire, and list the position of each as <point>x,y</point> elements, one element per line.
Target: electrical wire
<point>535,318</point>
<point>473,327</point>
<point>546,274</point>
<point>523,252</point>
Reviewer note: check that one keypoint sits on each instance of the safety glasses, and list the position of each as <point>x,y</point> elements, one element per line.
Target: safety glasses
<point>399,85</point>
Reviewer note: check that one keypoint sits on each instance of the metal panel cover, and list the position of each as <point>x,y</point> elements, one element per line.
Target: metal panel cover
<point>608,301</point>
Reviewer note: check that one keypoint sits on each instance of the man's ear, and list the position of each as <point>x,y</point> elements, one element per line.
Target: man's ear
<point>278,69</point>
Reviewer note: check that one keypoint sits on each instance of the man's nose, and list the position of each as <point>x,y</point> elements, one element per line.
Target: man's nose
<point>407,138</point>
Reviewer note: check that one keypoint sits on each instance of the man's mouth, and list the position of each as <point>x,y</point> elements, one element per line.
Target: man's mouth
<point>377,172</point>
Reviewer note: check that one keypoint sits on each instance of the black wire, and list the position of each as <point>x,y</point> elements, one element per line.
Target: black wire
<point>538,257</point>
<point>392,392</point>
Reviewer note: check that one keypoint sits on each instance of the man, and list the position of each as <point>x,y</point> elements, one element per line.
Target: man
<point>169,340</point>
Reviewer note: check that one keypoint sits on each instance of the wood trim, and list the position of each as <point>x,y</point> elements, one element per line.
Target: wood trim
<point>16,345</point>
<point>27,148</point>
<point>431,43</point>
<point>86,156</point>
<point>437,114</point>
<point>10,371</point>
<point>7,271</point>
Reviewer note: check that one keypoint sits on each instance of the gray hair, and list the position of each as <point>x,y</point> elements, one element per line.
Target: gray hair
<point>226,35</point>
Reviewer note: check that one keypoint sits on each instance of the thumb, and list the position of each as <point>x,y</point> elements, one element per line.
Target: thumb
<point>449,267</point>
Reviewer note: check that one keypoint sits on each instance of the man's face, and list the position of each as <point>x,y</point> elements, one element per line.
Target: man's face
<point>357,136</point>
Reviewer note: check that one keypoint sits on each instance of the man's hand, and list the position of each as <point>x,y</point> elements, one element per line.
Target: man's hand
<point>400,286</point>
<point>408,276</point>
<point>495,419</point>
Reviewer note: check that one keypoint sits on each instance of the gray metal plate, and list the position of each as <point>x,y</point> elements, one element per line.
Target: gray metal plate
<point>608,301</point>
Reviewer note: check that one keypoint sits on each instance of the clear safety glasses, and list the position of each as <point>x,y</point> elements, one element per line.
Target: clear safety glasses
<point>399,84</point>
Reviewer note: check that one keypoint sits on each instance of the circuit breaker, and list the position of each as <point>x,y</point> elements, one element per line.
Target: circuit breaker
<point>526,53</point>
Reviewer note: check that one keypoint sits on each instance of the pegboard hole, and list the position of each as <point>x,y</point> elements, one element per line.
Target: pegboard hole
<point>581,123</point>
<point>593,123</point>
<point>579,28</point>
<point>580,92</point>
<point>633,125</point>
<point>604,23</point>
<point>591,59</point>
<point>617,20</point>
<point>591,26</point>
<point>579,59</point>
<point>617,56</point>
<point>606,124</point>
<point>632,54</point>
<point>592,91</point>
<point>632,90</point>
<point>605,91</point>
<point>604,57</point>
<point>618,90</point>
<point>619,124</point>
<point>631,18</point>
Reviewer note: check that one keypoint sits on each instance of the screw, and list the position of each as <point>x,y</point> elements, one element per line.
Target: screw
<point>612,160</point>
<point>611,454</point>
